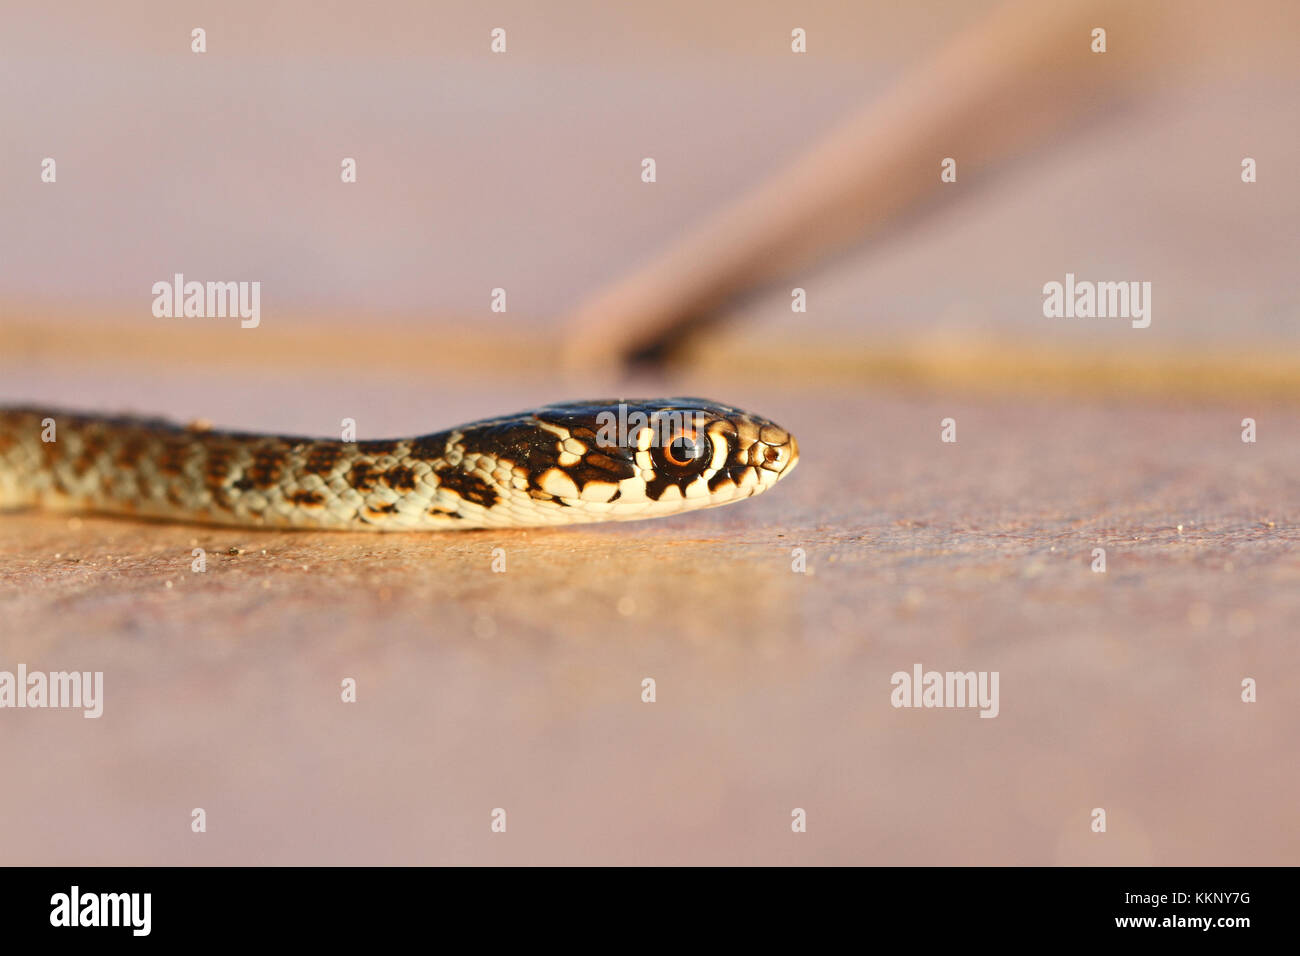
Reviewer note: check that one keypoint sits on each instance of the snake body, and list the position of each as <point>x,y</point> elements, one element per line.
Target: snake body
<point>616,460</point>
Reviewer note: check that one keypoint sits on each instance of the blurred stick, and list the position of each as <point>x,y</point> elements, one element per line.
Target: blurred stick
<point>1024,70</point>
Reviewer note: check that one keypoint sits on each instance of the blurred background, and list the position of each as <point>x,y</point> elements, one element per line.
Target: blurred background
<point>522,171</point>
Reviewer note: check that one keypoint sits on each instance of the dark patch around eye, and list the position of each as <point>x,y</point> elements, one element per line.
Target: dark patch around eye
<point>667,461</point>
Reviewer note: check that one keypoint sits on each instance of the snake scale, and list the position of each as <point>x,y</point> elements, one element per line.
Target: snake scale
<point>616,460</point>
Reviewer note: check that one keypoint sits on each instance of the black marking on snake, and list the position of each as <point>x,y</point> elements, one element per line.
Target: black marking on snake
<point>609,467</point>
<point>520,441</point>
<point>656,486</point>
<point>322,458</point>
<point>400,478</point>
<point>429,447</point>
<point>129,455</point>
<point>468,486</point>
<point>175,452</point>
<point>364,475</point>
<point>723,477</point>
<point>269,464</point>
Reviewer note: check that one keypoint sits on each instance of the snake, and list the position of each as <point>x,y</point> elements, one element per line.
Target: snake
<point>560,464</point>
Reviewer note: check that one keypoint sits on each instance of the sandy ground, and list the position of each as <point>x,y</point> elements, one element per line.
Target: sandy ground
<point>522,690</point>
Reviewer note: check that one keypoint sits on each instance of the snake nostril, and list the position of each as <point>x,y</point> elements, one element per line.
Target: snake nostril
<point>791,455</point>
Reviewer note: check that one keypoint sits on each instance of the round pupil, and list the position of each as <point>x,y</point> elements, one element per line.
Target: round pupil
<point>683,450</point>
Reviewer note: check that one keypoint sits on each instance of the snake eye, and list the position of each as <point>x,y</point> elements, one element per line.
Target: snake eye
<point>687,451</point>
<point>683,449</point>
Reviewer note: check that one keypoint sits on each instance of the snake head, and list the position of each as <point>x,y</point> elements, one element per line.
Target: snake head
<point>641,458</point>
